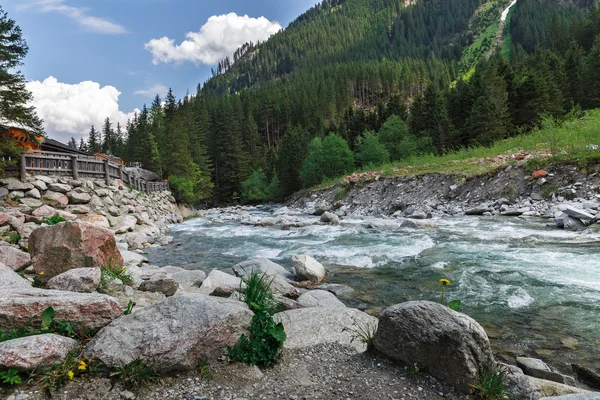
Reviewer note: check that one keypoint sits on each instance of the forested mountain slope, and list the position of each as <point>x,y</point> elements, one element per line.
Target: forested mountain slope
<point>358,82</point>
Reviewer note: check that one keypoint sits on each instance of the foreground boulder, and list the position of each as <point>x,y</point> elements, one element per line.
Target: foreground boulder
<point>308,327</point>
<point>59,248</point>
<point>452,346</point>
<point>330,218</point>
<point>80,280</point>
<point>9,279</point>
<point>522,386</point>
<point>20,304</point>
<point>308,269</point>
<point>33,352</point>
<point>175,334</point>
<point>14,258</point>
<point>577,396</point>
<point>160,283</point>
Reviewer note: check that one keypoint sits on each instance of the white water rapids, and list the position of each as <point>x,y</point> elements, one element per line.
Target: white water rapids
<point>535,289</point>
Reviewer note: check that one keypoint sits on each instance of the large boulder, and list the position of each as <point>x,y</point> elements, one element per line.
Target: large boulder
<point>80,280</point>
<point>33,352</point>
<point>9,279</point>
<point>576,396</point>
<point>320,298</point>
<point>308,269</point>
<point>19,307</point>
<point>308,327</point>
<point>59,248</point>
<point>521,386</point>
<point>175,334</point>
<point>14,258</point>
<point>452,346</point>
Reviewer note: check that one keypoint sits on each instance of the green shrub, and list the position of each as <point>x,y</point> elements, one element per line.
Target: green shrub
<point>370,151</point>
<point>327,158</point>
<point>182,189</point>
<point>265,341</point>
<point>135,374</point>
<point>340,192</point>
<point>255,188</point>
<point>273,190</point>
<point>312,168</point>
<point>111,273</point>
<point>53,220</point>
<point>492,383</point>
<point>10,377</point>
<point>13,237</point>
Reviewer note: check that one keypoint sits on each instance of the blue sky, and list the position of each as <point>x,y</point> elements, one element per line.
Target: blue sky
<point>92,59</point>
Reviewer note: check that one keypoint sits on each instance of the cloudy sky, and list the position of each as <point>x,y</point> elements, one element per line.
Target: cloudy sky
<point>89,59</point>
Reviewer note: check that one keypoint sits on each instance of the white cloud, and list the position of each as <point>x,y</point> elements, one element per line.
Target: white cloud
<point>157,89</point>
<point>70,110</point>
<point>220,36</point>
<point>77,14</point>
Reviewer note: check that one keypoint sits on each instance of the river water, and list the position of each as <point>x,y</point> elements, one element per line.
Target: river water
<point>535,289</point>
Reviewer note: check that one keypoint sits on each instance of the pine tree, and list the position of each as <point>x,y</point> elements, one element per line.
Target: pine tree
<point>291,154</point>
<point>82,145</point>
<point>14,96</point>
<point>93,145</point>
<point>72,143</point>
<point>108,142</point>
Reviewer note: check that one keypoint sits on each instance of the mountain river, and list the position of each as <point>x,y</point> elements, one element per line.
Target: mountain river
<point>535,289</point>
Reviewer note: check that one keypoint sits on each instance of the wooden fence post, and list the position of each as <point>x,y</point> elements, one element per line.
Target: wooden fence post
<point>106,172</point>
<point>23,168</point>
<point>75,167</point>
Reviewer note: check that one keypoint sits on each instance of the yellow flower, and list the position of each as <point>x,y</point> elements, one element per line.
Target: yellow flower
<point>42,273</point>
<point>444,282</point>
<point>82,365</point>
<point>70,374</point>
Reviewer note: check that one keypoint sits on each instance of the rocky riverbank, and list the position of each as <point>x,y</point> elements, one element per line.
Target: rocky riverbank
<point>137,219</point>
<point>559,192</point>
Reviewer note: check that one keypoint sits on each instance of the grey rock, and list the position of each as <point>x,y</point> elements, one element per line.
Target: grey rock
<point>59,187</point>
<point>576,396</point>
<point>384,225</point>
<point>19,305</point>
<point>34,193</point>
<point>330,218</point>
<point>337,289</point>
<point>40,185</point>
<point>132,258</point>
<point>576,213</point>
<point>308,327</point>
<point>9,279</point>
<point>308,269</point>
<point>571,224</point>
<point>587,376</point>
<point>15,184</point>
<point>539,369</point>
<point>33,352</point>
<point>57,199</point>
<point>414,332</point>
<point>14,258</point>
<point>79,198</point>
<point>30,202</point>
<point>165,240</point>
<point>190,280</point>
<point>17,195</point>
<point>102,192</point>
<point>3,192</point>
<point>175,334</point>
<point>114,211</point>
<point>478,210</point>
<point>160,283</point>
<point>80,280</point>
<point>417,224</point>
<point>262,265</point>
<point>528,387</point>
<point>320,298</point>
<point>219,280</point>
<point>277,275</point>
<point>144,174</point>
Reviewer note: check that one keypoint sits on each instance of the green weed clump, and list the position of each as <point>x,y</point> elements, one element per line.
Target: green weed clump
<point>112,272</point>
<point>135,374</point>
<point>492,383</point>
<point>13,237</point>
<point>365,334</point>
<point>53,220</point>
<point>10,377</point>
<point>263,346</point>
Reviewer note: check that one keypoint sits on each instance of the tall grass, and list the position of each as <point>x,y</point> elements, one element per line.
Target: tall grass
<point>575,139</point>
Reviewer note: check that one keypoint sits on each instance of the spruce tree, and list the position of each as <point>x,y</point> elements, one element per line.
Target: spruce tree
<point>93,145</point>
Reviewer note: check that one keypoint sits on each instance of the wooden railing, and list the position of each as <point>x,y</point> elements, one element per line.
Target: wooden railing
<point>80,166</point>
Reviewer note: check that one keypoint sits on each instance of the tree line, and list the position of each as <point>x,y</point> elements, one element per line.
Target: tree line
<point>332,93</point>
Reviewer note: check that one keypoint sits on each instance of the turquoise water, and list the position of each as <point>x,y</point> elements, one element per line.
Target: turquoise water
<point>535,289</point>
